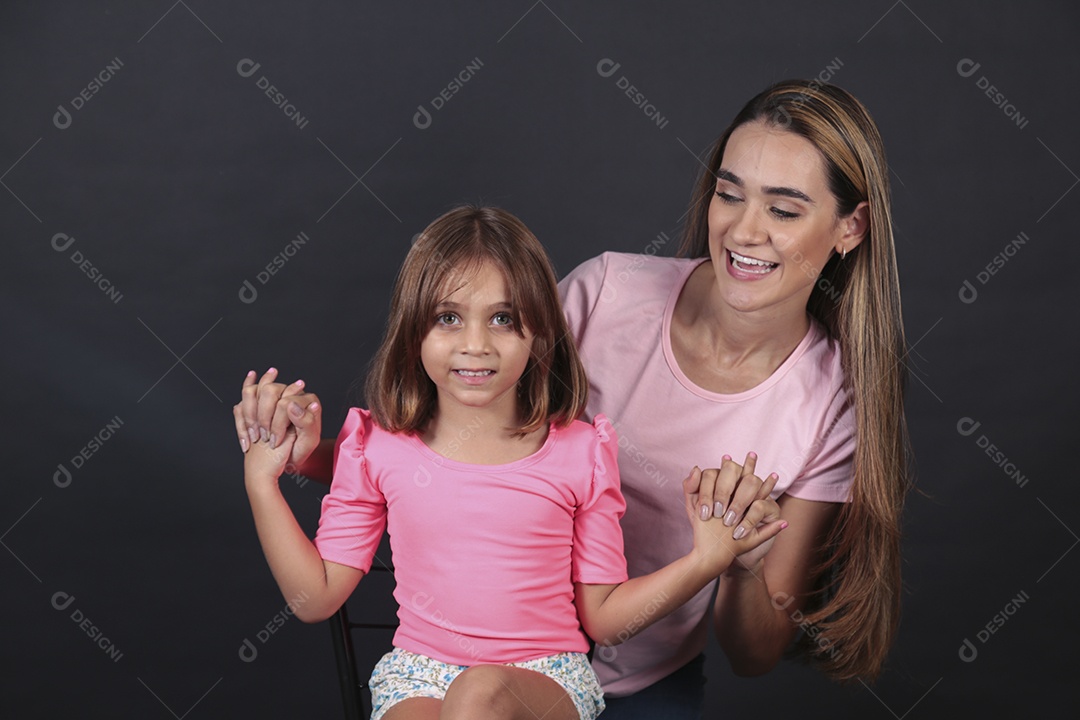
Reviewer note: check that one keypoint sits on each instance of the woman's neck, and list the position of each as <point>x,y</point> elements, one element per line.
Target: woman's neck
<point>731,350</point>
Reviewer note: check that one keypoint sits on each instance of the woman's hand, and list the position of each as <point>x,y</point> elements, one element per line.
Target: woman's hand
<point>750,519</point>
<point>268,410</point>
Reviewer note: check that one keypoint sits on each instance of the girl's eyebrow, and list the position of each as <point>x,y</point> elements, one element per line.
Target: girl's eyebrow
<point>734,179</point>
<point>450,305</point>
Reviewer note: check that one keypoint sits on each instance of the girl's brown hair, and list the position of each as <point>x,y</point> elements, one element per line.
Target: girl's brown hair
<point>857,299</point>
<point>553,388</point>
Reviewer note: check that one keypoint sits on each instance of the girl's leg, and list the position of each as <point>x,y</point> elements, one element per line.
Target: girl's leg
<point>414,709</point>
<point>508,693</point>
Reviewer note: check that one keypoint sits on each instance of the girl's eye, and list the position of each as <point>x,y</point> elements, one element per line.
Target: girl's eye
<point>503,320</point>
<point>727,197</point>
<point>446,319</point>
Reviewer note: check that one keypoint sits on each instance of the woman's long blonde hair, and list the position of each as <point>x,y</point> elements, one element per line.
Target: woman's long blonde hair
<point>857,299</point>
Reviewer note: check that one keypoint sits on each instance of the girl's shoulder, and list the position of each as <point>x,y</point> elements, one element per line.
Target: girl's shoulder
<point>594,441</point>
<point>360,429</point>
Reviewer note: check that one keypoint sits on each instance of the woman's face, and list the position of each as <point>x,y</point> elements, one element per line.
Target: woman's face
<point>773,222</point>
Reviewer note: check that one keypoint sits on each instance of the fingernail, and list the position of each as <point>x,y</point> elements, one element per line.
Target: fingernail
<point>313,407</point>
<point>729,519</point>
<point>253,434</point>
<point>250,373</point>
<point>299,383</point>
<point>295,410</point>
<point>718,509</point>
<point>752,454</point>
<point>726,457</point>
<point>704,512</point>
<point>263,434</point>
<point>273,370</point>
<point>783,525</point>
<point>273,440</point>
<point>244,444</point>
<point>739,532</point>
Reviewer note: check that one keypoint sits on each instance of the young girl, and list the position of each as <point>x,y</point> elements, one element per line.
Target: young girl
<point>503,509</point>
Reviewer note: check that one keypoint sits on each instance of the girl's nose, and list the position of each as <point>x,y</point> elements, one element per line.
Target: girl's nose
<point>475,339</point>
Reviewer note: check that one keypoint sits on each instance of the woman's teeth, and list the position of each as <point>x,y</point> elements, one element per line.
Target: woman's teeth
<point>750,265</point>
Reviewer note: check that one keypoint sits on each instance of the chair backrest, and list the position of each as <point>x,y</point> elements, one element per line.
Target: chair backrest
<point>353,668</point>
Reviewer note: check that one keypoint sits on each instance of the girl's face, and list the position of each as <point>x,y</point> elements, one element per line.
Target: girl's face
<point>773,222</point>
<point>473,352</point>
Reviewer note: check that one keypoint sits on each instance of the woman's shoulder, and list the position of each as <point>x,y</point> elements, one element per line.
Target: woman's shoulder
<point>622,264</point>
<point>629,277</point>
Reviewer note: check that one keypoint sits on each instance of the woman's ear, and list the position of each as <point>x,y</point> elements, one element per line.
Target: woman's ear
<point>855,226</point>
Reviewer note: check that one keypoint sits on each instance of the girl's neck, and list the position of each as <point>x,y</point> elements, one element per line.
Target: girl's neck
<point>478,436</point>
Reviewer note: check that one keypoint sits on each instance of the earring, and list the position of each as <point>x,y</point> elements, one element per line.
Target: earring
<point>843,253</point>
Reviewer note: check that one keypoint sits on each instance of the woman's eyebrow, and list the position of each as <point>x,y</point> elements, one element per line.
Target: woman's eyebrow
<point>790,192</point>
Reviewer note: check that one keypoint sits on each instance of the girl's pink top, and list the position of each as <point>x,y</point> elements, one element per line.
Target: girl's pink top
<point>484,556</point>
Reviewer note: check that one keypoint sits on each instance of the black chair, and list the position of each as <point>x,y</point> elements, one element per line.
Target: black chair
<point>355,694</point>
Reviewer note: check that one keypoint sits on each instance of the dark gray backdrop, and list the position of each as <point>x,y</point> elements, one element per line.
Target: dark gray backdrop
<point>147,177</point>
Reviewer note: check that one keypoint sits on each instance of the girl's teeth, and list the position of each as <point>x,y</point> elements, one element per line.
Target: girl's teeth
<point>474,373</point>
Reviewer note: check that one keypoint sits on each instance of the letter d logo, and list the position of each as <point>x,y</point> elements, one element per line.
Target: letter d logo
<point>248,293</point>
<point>966,426</point>
<point>967,67</point>
<point>422,118</point>
<point>607,67</point>
<point>968,652</point>
<point>247,67</point>
<point>62,118</point>
<point>62,477</point>
<point>248,652</point>
<point>968,293</point>
<point>61,600</point>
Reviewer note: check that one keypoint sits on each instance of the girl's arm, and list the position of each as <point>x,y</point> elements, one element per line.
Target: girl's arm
<point>611,614</point>
<point>758,607</point>
<point>316,588</point>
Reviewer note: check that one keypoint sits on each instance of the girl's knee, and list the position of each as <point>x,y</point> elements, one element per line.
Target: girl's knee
<point>481,691</point>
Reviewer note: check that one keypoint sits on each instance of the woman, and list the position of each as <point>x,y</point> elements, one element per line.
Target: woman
<point>777,332</point>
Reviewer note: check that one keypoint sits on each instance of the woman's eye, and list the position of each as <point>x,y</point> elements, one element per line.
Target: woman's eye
<point>784,214</point>
<point>727,197</point>
<point>503,319</point>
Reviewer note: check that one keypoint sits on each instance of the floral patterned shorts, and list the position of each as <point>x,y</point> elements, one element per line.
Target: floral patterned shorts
<point>401,674</point>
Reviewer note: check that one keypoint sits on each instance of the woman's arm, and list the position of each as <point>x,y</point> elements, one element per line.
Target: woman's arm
<point>755,605</point>
<point>315,588</point>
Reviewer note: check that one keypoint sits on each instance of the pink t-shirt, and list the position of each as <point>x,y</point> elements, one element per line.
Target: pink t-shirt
<point>485,556</point>
<point>798,421</point>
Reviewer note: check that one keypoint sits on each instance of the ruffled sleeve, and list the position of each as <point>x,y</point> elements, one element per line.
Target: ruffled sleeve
<point>598,542</point>
<point>354,511</point>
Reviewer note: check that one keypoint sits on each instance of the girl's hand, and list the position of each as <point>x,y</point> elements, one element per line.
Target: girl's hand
<point>267,410</point>
<point>264,464</point>
<point>740,537</point>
